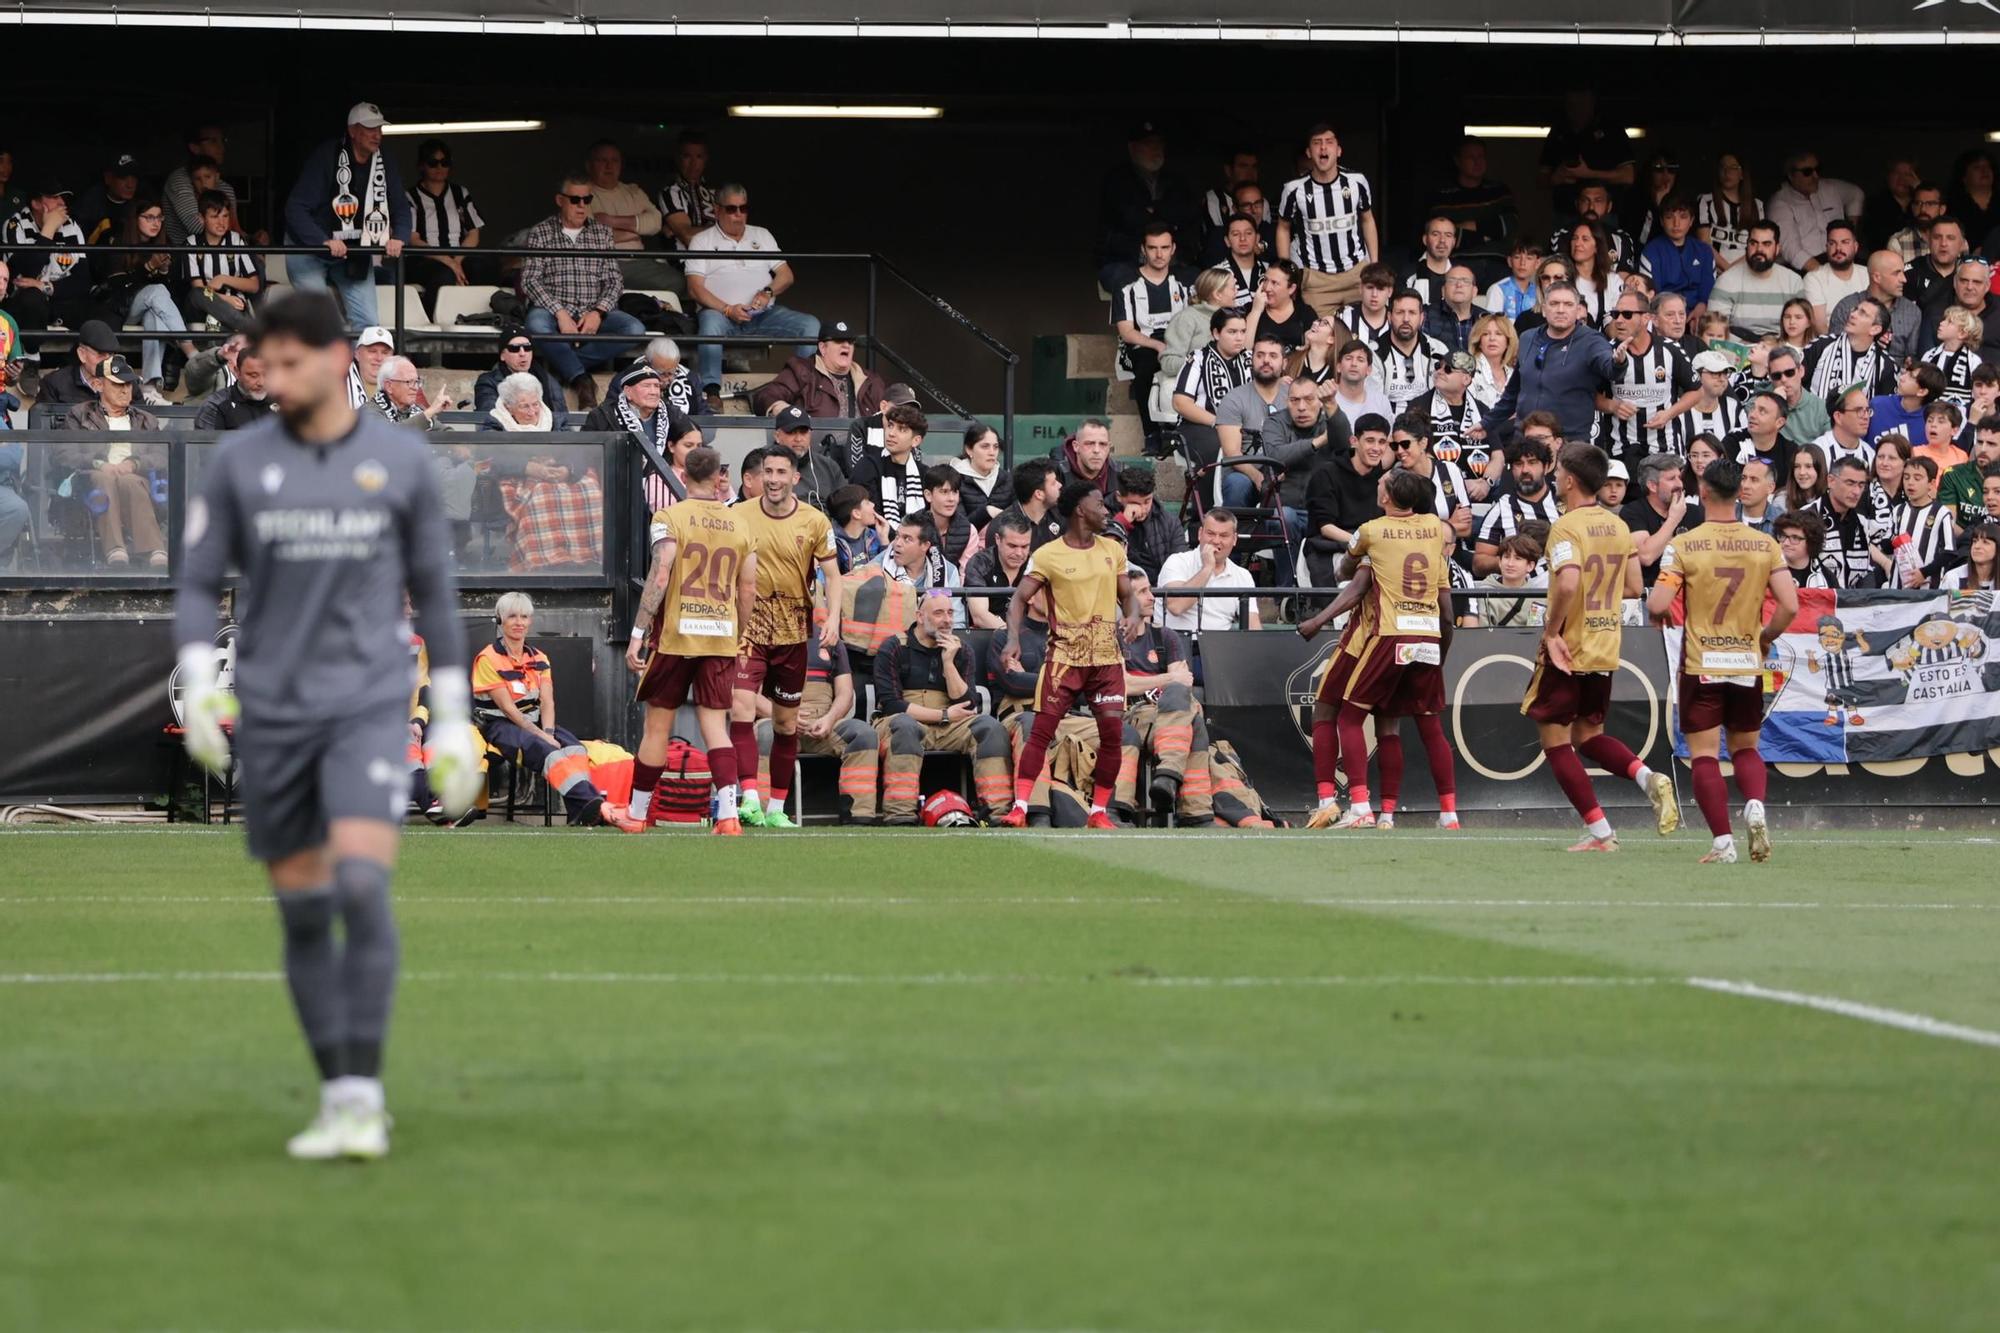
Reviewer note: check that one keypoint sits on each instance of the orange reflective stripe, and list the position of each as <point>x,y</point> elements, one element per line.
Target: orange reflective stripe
<point>899,784</point>
<point>854,780</point>
<point>565,772</point>
<point>1196,782</point>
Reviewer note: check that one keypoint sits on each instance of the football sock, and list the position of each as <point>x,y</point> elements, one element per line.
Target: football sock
<point>368,963</point>
<point>360,1094</point>
<point>1438,750</point>
<point>1110,749</point>
<point>1753,812</point>
<point>1100,796</point>
<point>1389,759</point>
<point>645,777</point>
<point>1614,756</point>
<point>722,772</point>
<point>1575,783</point>
<point>743,736</point>
<point>1326,757</point>
<point>1034,753</point>
<point>784,759</point>
<point>1751,779</point>
<point>312,970</point>
<point>1354,754</point>
<point>1599,828</point>
<point>1711,795</point>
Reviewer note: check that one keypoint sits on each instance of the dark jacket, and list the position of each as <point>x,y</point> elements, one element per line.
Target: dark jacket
<point>1067,468</point>
<point>954,537</point>
<point>232,409</point>
<point>81,457</point>
<point>1293,448</point>
<point>820,473</point>
<point>62,387</point>
<point>1126,204</point>
<point>1455,333</point>
<point>1339,495</point>
<point>1560,376</point>
<point>803,384</point>
<point>904,666</point>
<point>1150,542</point>
<point>309,216</point>
<point>983,570</point>
<point>486,392</point>
<point>1016,689</point>
<point>605,417</point>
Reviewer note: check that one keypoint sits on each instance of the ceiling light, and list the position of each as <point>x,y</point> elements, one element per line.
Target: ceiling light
<point>779,111</point>
<point>1533,131</point>
<point>460,126</point>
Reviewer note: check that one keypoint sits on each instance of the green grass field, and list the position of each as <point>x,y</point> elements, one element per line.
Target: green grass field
<point>939,1081</point>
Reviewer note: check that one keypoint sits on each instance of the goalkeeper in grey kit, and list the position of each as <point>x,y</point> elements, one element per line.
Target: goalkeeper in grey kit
<point>330,515</point>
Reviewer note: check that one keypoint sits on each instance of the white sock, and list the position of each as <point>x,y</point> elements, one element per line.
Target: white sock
<point>1753,812</point>
<point>1020,804</point>
<point>725,802</point>
<point>1600,828</point>
<point>1644,777</point>
<point>774,805</point>
<point>1725,843</point>
<point>1448,819</point>
<point>746,794</point>
<point>1096,809</point>
<point>359,1094</point>
<point>642,801</point>
<point>1328,802</point>
<point>1360,808</point>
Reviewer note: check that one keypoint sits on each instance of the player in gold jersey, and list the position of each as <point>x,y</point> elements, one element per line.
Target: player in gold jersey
<point>1392,665</point>
<point>1092,611</point>
<point>1593,568</point>
<point>792,539</point>
<point>701,586</point>
<point>1720,572</point>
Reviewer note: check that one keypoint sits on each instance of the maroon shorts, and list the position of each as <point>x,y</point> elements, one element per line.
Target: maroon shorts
<point>1731,707</point>
<point>669,680</point>
<point>1566,698</point>
<point>1388,687</point>
<point>776,669</point>
<point>1100,688</point>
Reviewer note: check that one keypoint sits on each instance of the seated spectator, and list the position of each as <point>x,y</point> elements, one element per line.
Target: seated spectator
<point>1086,456</point>
<point>1679,261</point>
<point>400,397</point>
<point>1208,566</point>
<point>826,383</point>
<point>1855,539</point>
<point>820,473</point>
<point>75,382</point>
<point>662,491</point>
<point>1036,488</point>
<point>1163,721</point>
<point>1450,319</point>
<point>739,297</point>
<point>1188,332</point>
<point>214,367</point>
<point>687,204</point>
<point>1942,421</point>
<point>1010,540</point>
<point>641,408</point>
<point>1141,310</point>
<point>1301,438</point>
<point>857,528</point>
<point>138,289</point>
<point>553,498</point>
<point>1276,310</point>
<point>14,512</point>
<point>52,273</point>
<point>242,402</point>
<point>1014,701</point>
<point>572,295</point>
<point>629,212</point>
<point>373,348</point>
<point>1979,573</point>
<point>827,726</point>
<point>915,558</point>
<point>517,357</point>
<point>1852,356</point>
<point>1956,355</point>
<point>864,437</point>
<point>123,473</point>
<point>894,478</point>
<point>1151,534</point>
<point>1801,539</point>
<point>663,355</point>
<point>1207,377</point>
<point>1245,245</point>
<point>348,194</point>
<point>519,405</point>
<point>946,513</point>
<point>1515,295</point>
<point>514,705</point>
<point>442,217</point>
<point>207,148</point>
<point>1753,293</point>
<point>1356,393</point>
<point>1918,385</point>
<point>1405,360</point>
<point>1140,193</point>
<point>926,700</point>
<point>1342,494</point>
<point>1660,511</point>
<point>1931,526</point>
<point>1611,495</point>
<point>221,279</point>
<point>1520,556</point>
<point>978,468</point>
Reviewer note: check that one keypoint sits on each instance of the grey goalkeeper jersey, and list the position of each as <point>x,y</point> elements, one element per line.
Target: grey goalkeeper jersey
<point>327,538</point>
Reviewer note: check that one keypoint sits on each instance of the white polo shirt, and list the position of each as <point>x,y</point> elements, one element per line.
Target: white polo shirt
<point>735,281</point>
<point>1179,569</point>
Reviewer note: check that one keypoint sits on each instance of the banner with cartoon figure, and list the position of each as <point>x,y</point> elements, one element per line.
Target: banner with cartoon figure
<point>1874,674</point>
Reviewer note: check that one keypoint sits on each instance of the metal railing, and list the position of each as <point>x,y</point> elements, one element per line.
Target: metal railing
<point>869,340</point>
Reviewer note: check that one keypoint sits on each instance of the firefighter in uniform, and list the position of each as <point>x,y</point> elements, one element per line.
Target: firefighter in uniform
<point>926,702</point>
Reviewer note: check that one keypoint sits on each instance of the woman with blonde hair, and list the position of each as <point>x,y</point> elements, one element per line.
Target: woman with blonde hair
<point>1187,332</point>
<point>1497,349</point>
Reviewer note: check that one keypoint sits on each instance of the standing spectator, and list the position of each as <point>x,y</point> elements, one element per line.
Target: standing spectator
<point>517,357</point>
<point>1086,456</point>
<point>1838,276</point>
<point>1972,195</point>
<point>1930,278</point>
<point>1680,263</point>
<point>1208,566</point>
<point>1326,225</point>
<point>1482,209</point>
<point>104,209</point>
<point>1724,214</point>
<point>1583,148</point>
<point>122,473</point>
<point>1426,276</point>
<point>443,217</point>
<point>740,296</point>
<point>1141,310</point>
<point>926,702</point>
<point>574,295</point>
<point>138,288</point>
<point>1655,378</point>
<point>1151,534</point>
<point>629,212</point>
<point>1893,207</point>
<point>242,402</point>
<point>1562,364</point>
<point>1886,284</point>
<point>998,564</point>
<point>1913,241</point>
<point>1658,512</point>
<point>894,478</point>
<point>1406,359</point>
<point>1804,204</point>
<point>1139,194</point>
<point>1852,356</point>
<point>826,384</point>
<point>1753,293</point>
<point>348,194</point>
<point>1515,295</point>
<point>1853,538</point>
<point>52,274</point>
<point>687,204</point>
<point>1208,376</point>
<point>1649,197</point>
<point>221,280</point>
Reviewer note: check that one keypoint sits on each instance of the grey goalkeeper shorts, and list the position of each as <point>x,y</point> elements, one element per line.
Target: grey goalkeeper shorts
<point>299,776</point>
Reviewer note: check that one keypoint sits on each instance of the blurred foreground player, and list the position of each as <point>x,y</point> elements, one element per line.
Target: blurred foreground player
<point>702,585</point>
<point>330,515</point>
<point>1091,610</point>
<point>1720,572</point>
<point>1593,568</point>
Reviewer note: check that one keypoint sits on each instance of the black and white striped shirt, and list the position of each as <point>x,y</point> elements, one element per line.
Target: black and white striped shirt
<point>697,201</point>
<point>1832,365</point>
<point>1831,451</point>
<point>1325,221</point>
<point>1246,283</point>
<point>1932,529</point>
<point>1404,375</point>
<point>1448,490</point>
<point>22,236</point>
<point>1425,283</point>
<point>1354,322</point>
<point>1957,368</point>
<point>227,258</point>
<point>1208,375</point>
<point>1652,381</point>
<point>1724,220</point>
<point>1728,417</point>
<point>1151,306</point>
<point>1507,513</point>
<point>445,219</point>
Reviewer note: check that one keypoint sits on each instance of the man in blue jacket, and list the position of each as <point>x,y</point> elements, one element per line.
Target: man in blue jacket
<point>1680,261</point>
<point>349,194</point>
<point>1563,364</point>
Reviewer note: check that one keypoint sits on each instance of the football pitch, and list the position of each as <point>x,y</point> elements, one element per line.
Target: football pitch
<point>950,1081</point>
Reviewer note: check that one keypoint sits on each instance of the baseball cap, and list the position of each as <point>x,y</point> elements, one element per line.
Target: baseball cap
<point>118,370</point>
<point>898,394</point>
<point>1461,362</point>
<point>1144,129</point>
<point>1617,471</point>
<point>122,164</point>
<point>836,332</point>
<point>97,336</point>
<point>793,418</point>
<point>367,115</point>
<point>1715,361</point>
<point>50,188</point>
<point>375,334</point>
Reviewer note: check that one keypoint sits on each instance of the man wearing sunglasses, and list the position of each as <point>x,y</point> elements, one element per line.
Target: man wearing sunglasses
<point>444,216</point>
<point>570,295</point>
<point>517,357</point>
<point>1656,378</point>
<point>739,295</point>
<point>1804,204</point>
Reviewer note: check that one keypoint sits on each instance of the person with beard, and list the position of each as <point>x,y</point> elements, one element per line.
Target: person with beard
<point>1241,415</point>
<point>1753,293</point>
<point>1838,277</point>
<point>1531,500</point>
<point>242,403</point>
<point>1406,358</point>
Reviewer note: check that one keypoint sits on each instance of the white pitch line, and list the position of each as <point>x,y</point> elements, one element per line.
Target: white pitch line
<point>956,979</point>
<point>668,899</point>
<point>1867,1013</point>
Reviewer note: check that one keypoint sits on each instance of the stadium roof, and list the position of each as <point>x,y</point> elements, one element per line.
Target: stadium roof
<point>1664,23</point>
